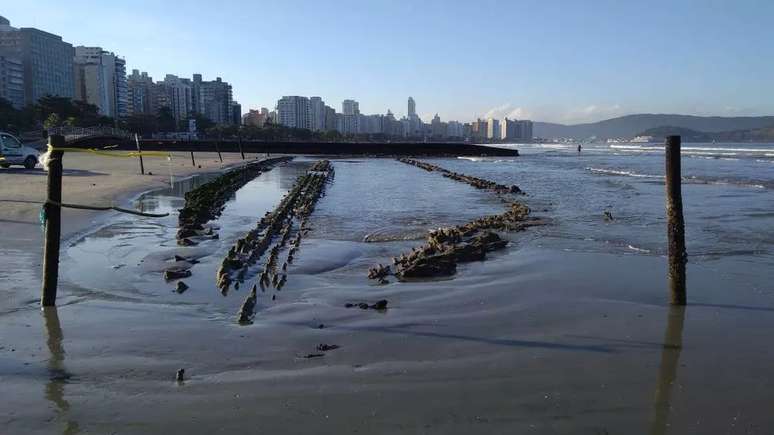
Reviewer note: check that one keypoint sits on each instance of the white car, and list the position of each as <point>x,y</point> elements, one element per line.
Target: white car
<point>12,152</point>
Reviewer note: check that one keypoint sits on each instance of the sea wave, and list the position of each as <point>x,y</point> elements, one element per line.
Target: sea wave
<point>690,179</point>
<point>636,249</point>
<point>694,150</point>
<point>486,159</point>
<point>606,171</point>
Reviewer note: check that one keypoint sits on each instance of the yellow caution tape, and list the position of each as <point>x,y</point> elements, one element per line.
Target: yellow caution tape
<point>111,153</point>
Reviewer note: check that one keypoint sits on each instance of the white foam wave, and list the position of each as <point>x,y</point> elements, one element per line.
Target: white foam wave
<point>636,249</point>
<point>622,173</point>
<point>726,151</point>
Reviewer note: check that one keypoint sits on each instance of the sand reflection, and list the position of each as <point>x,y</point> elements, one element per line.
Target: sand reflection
<point>667,372</point>
<point>58,375</point>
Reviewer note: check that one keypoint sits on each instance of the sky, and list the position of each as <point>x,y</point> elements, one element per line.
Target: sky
<point>557,61</point>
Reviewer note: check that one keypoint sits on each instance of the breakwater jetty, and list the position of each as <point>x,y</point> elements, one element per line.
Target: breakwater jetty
<point>405,149</point>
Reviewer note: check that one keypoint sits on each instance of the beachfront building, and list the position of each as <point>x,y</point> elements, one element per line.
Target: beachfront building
<point>330,118</point>
<point>177,95</point>
<point>454,129</point>
<point>350,107</point>
<point>47,61</point>
<point>511,129</point>
<point>256,118</point>
<point>294,111</point>
<point>139,93</point>
<point>12,79</point>
<point>493,129</point>
<point>214,100</point>
<point>414,126</point>
<point>437,128</point>
<point>317,114</point>
<point>478,129</point>
<point>526,129</point>
<point>350,120</point>
<point>236,113</point>
<point>100,79</point>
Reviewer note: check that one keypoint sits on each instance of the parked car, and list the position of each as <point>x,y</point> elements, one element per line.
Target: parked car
<point>14,153</point>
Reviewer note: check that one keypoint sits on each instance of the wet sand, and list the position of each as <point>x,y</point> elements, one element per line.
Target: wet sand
<point>88,179</point>
<point>536,339</point>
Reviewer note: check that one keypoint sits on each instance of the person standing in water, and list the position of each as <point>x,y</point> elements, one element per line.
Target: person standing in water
<point>580,147</point>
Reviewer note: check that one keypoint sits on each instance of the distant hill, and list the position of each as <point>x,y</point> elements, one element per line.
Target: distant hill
<point>631,125</point>
<point>688,135</point>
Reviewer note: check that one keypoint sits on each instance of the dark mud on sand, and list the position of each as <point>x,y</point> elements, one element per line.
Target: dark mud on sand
<point>565,331</point>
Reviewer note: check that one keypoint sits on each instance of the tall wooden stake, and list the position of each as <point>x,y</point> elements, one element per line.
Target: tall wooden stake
<point>137,142</point>
<point>53,223</point>
<point>241,151</point>
<point>217,148</point>
<point>675,223</point>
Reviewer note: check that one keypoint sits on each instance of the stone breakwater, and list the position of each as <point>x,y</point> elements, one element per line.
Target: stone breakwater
<point>478,183</point>
<point>446,247</point>
<point>279,232</point>
<point>206,202</point>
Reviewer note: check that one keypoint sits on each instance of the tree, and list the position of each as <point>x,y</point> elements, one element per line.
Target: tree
<point>142,124</point>
<point>166,120</point>
<point>203,123</point>
<point>53,120</point>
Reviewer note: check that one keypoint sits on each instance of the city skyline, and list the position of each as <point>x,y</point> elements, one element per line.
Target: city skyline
<point>687,57</point>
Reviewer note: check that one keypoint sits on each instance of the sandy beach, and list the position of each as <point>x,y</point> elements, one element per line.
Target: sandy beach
<point>555,335</point>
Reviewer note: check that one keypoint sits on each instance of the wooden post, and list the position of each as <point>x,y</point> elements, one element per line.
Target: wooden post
<point>53,222</point>
<point>241,151</point>
<point>675,223</point>
<point>137,142</point>
<point>217,148</point>
<point>193,162</point>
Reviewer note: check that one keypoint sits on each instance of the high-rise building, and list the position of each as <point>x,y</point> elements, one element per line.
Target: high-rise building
<point>493,129</point>
<point>330,119</point>
<point>236,113</point>
<point>100,79</point>
<point>437,127</point>
<point>511,129</point>
<point>179,96</point>
<point>317,113</point>
<point>454,129</point>
<point>478,129</point>
<point>526,129</point>
<point>46,59</point>
<point>350,107</point>
<point>140,94</point>
<point>213,99</point>
<point>294,111</point>
<point>412,108</point>
<point>12,79</point>
<point>350,122</point>
<point>256,118</point>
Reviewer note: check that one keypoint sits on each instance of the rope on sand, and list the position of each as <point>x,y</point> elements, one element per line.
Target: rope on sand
<point>105,208</point>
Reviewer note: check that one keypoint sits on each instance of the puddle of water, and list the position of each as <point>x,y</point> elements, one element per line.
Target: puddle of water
<point>127,256</point>
<point>368,198</point>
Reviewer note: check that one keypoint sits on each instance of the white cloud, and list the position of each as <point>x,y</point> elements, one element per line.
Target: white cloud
<point>508,111</point>
<point>565,115</point>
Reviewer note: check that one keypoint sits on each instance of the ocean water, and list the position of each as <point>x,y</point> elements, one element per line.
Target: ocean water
<point>379,208</point>
<point>728,195</point>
